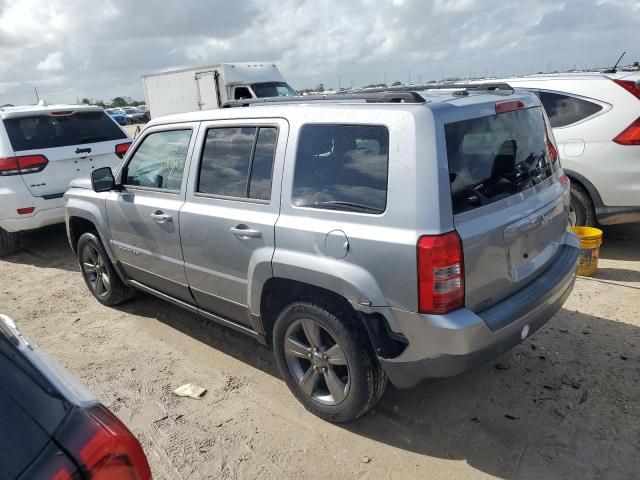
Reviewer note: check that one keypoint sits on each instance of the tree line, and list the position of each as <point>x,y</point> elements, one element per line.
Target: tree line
<point>113,103</point>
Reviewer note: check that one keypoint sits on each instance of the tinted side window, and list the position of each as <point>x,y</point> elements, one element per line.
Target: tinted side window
<point>159,160</point>
<point>242,93</point>
<point>261,170</point>
<point>342,167</point>
<point>564,110</point>
<point>238,162</point>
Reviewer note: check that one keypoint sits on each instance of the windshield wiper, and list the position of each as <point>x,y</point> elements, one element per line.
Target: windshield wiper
<point>343,206</point>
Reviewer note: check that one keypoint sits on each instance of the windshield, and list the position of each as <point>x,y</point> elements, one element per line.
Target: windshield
<point>273,89</point>
<point>131,110</point>
<point>494,157</point>
<point>47,131</point>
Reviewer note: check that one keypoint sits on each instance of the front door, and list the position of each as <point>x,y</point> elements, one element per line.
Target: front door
<point>143,215</point>
<point>227,223</point>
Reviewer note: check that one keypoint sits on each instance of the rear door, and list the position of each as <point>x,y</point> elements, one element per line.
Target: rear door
<point>507,200</point>
<point>73,142</point>
<point>143,215</point>
<point>227,224</point>
<point>207,90</point>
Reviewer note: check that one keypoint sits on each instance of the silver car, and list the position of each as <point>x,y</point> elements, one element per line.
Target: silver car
<point>390,235</point>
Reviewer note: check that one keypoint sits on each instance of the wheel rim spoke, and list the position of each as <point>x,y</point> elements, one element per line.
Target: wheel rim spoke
<point>89,267</point>
<point>336,355</point>
<point>105,281</point>
<point>309,381</point>
<point>312,332</point>
<point>335,385</point>
<point>297,348</point>
<point>99,285</point>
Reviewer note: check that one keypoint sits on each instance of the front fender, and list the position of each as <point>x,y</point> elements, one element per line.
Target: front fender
<point>90,207</point>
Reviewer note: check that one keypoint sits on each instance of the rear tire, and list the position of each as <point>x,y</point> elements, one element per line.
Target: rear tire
<point>327,362</point>
<point>9,242</point>
<point>98,272</point>
<point>583,213</point>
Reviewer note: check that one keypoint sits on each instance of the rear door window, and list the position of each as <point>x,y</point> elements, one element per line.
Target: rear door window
<point>51,131</point>
<point>494,157</point>
<point>564,110</point>
<point>238,162</point>
<point>342,167</point>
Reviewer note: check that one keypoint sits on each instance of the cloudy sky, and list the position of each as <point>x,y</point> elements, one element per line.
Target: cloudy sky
<point>85,48</point>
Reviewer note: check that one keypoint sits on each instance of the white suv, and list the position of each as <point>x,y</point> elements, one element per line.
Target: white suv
<point>596,123</point>
<point>43,148</point>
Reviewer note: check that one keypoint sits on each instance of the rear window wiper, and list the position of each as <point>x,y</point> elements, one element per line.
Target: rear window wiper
<point>343,206</point>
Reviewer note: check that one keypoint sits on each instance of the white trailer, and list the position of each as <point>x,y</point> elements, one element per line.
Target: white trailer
<point>206,88</point>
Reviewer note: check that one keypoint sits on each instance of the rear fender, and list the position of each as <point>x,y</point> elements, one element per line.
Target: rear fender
<point>350,281</point>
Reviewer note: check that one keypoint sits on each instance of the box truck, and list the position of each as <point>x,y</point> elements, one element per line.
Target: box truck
<point>206,88</point>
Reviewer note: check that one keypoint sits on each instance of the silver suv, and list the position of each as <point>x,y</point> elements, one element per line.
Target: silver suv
<point>396,235</point>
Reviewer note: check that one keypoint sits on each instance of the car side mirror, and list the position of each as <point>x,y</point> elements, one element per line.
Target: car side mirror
<point>102,179</point>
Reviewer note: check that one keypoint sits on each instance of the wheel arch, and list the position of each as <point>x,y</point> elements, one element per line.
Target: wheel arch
<point>279,292</point>
<point>583,182</point>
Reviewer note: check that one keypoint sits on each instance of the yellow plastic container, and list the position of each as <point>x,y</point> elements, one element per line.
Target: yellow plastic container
<point>590,242</point>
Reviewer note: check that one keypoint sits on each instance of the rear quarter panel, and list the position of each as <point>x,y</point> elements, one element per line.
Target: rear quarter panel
<point>380,266</point>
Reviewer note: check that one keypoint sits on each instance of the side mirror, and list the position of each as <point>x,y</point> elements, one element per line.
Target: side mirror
<point>102,180</point>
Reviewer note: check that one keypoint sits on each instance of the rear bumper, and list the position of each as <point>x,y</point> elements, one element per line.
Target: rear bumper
<point>447,345</point>
<point>40,218</point>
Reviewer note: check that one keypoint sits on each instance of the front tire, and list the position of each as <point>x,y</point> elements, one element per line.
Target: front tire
<point>9,243</point>
<point>98,272</point>
<point>327,362</point>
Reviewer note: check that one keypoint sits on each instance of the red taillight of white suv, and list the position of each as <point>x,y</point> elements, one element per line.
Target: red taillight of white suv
<point>631,134</point>
<point>22,165</point>
<point>440,273</point>
<point>103,446</point>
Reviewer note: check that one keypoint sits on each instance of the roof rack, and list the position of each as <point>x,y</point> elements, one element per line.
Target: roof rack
<point>378,95</point>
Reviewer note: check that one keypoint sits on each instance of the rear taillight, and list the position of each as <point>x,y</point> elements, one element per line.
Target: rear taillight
<point>631,135</point>
<point>629,86</point>
<point>103,446</point>
<point>553,151</point>
<point>22,165</point>
<point>122,149</point>
<point>440,273</point>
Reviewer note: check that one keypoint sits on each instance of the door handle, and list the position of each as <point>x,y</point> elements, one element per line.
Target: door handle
<point>243,231</point>
<point>161,217</point>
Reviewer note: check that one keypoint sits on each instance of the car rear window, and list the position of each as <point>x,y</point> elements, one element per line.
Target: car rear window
<point>342,167</point>
<point>564,110</point>
<point>494,157</point>
<point>49,131</point>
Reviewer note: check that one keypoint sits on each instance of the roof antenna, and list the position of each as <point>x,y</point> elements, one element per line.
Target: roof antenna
<point>615,67</point>
<point>37,96</point>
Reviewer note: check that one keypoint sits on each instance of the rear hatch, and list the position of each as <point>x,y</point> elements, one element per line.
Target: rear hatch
<point>507,199</point>
<point>74,142</point>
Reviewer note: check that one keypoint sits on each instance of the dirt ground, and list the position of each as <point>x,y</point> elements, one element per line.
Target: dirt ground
<point>564,404</point>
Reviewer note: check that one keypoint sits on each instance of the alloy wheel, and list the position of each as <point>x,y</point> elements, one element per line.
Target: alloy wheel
<point>317,362</point>
<point>96,271</point>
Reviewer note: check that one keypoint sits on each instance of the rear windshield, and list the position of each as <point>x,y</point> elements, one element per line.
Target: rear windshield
<point>47,131</point>
<point>494,157</point>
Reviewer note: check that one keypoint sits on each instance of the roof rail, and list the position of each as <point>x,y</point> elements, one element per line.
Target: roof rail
<point>377,95</point>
